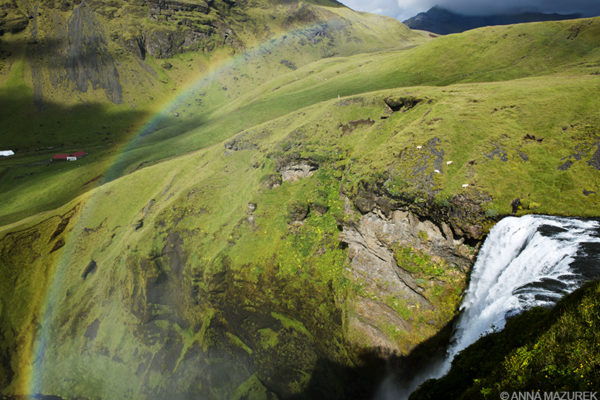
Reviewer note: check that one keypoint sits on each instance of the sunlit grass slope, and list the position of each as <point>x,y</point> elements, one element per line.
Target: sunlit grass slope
<point>497,53</point>
<point>203,198</point>
<point>197,274</point>
<point>43,113</point>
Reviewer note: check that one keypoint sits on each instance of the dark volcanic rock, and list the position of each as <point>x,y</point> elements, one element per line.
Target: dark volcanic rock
<point>92,330</point>
<point>515,205</point>
<point>137,46</point>
<point>90,269</point>
<point>163,43</point>
<point>498,152</point>
<point>401,103</point>
<point>297,211</point>
<point>289,64</point>
<point>566,165</point>
<point>162,7</point>
<point>595,160</point>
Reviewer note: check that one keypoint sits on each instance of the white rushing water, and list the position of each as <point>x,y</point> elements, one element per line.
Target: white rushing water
<point>524,262</point>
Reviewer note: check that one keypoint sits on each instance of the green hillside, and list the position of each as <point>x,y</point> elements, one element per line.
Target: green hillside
<point>256,242</point>
<point>93,76</point>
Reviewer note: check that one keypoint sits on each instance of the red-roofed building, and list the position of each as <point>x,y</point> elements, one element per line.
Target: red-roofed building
<point>69,157</point>
<point>78,154</point>
<point>60,157</point>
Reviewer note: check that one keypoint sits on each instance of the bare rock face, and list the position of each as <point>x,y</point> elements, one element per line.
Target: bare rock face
<point>163,43</point>
<point>372,259</point>
<point>163,7</point>
<point>195,30</point>
<point>89,61</point>
<point>371,243</point>
<point>296,171</point>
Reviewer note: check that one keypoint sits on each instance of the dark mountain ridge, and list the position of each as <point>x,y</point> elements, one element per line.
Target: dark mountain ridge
<point>442,21</point>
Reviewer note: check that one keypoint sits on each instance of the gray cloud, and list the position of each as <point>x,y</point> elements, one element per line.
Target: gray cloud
<point>403,9</point>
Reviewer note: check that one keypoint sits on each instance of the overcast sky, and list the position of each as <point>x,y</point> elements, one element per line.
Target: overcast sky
<point>403,9</point>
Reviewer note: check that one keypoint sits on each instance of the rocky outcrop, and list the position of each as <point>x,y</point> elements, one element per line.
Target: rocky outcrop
<point>163,7</point>
<point>163,43</point>
<point>401,103</point>
<point>240,142</point>
<point>89,61</point>
<point>188,26</point>
<point>297,170</point>
<point>464,213</point>
<point>595,160</point>
<point>297,212</point>
<point>372,242</point>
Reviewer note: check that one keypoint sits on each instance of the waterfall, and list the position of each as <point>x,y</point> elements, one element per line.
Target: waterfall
<point>524,262</point>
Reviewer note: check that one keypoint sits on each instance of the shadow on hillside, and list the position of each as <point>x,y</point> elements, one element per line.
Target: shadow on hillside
<point>15,47</point>
<point>36,135</point>
<point>38,131</point>
<point>48,48</point>
<point>330,380</point>
<point>375,372</point>
<point>29,127</point>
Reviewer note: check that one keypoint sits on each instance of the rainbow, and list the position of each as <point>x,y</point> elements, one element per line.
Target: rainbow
<point>32,381</point>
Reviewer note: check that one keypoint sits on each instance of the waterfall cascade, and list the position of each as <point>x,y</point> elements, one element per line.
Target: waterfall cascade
<point>525,262</point>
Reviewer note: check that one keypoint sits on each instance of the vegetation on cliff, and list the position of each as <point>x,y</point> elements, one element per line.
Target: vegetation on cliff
<point>212,255</point>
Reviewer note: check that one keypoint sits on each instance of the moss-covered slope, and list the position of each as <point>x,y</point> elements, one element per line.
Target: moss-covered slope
<point>330,210</point>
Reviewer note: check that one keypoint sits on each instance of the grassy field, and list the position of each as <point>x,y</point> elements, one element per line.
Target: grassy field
<point>184,254</point>
<point>162,99</point>
<point>479,56</point>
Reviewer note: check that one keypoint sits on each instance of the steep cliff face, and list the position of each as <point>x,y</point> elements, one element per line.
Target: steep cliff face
<point>88,59</point>
<point>412,274</point>
<point>105,45</point>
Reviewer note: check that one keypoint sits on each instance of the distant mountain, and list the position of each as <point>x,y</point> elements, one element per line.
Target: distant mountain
<point>442,21</point>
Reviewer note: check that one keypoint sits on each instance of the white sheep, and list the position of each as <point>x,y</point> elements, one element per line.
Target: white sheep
<point>419,147</point>
<point>436,171</point>
<point>466,185</point>
<point>448,162</point>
